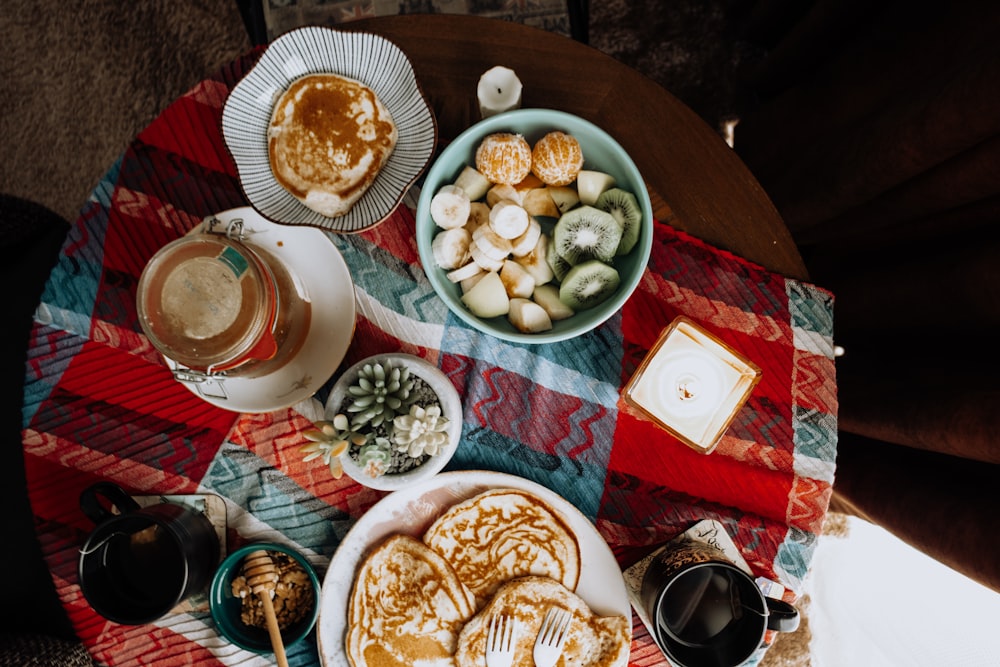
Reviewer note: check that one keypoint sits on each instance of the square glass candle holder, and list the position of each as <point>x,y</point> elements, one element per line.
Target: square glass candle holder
<point>691,384</point>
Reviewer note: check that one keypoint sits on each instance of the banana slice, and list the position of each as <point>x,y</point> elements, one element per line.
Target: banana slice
<point>484,260</point>
<point>508,219</point>
<point>450,207</point>
<point>526,242</point>
<point>490,243</point>
<point>479,215</point>
<point>470,270</point>
<point>451,247</point>
<point>502,191</point>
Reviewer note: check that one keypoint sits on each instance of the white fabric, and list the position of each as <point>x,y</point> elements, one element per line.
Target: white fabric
<point>877,601</point>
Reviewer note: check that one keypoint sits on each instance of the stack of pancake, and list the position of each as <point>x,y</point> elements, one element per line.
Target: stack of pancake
<point>328,138</point>
<point>428,602</point>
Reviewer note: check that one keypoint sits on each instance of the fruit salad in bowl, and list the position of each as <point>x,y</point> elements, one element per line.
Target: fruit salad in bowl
<point>534,226</point>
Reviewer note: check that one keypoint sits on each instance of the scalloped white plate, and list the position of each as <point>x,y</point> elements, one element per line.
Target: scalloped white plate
<point>369,58</point>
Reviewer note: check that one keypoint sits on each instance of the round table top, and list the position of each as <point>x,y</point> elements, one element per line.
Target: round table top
<point>696,181</point>
<point>101,405</point>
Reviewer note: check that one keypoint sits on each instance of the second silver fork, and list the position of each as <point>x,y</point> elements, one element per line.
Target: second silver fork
<point>551,637</point>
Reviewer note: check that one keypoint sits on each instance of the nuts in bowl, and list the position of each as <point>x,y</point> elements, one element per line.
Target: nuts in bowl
<point>237,612</point>
<point>534,226</point>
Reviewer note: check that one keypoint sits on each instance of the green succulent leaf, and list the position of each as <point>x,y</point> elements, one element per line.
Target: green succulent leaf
<point>363,402</point>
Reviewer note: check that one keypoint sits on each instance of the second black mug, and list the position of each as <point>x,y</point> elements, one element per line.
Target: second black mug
<point>707,612</point>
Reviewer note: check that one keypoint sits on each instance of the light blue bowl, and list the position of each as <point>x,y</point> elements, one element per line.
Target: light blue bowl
<point>600,153</point>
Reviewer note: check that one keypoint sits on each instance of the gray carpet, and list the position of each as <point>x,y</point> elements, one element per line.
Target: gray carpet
<point>80,79</point>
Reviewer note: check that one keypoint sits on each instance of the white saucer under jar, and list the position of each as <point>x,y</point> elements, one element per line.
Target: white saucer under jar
<point>451,410</point>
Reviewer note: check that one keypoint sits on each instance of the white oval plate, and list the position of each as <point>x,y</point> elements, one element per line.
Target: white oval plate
<point>368,58</point>
<point>326,280</point>
<point>412,511</point>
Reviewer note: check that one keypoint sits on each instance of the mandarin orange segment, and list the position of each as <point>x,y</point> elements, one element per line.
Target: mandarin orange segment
<point>504,158</point>
<point>557,158</point>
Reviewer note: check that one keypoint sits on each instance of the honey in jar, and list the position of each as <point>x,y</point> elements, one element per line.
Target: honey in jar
<point>218,306</point>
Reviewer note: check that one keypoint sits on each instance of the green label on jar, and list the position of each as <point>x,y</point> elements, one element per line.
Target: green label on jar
<point>235,261</point>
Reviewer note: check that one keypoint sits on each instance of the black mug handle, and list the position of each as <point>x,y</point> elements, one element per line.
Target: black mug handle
<point>781,616</point>
<point>95,511</point>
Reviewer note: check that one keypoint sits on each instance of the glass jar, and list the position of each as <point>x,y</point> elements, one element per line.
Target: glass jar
<point>220,307</point>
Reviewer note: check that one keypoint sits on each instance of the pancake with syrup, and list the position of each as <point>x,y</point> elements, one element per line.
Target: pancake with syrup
<point>591,641</point>
<point>328,138</point>
<point>407,608</point>
<point>503,534</point>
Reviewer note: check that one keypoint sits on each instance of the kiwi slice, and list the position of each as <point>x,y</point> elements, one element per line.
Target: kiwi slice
<point>586,233</point>
<point>588,284</point>
<point>624,208</point>
<point>558,265</point>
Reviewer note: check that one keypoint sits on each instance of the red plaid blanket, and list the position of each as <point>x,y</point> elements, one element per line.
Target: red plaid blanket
<point>100,403</point>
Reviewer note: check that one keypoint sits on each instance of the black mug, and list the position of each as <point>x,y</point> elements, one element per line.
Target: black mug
<point>139,564</point>
<point>705,611</point>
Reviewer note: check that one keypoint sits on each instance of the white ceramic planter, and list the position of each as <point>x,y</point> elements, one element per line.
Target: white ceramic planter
<point>451,409</point>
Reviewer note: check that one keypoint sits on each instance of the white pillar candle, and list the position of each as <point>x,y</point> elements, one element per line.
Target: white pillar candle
<point>499,90</point>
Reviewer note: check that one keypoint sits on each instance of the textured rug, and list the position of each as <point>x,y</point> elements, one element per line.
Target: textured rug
<point>279,16</point>
<point>80,80</point>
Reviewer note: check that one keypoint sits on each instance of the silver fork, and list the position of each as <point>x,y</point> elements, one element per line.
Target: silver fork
<point>551,637</point>
<point>500,641</point>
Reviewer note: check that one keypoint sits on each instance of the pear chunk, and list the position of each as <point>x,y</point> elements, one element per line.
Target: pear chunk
<point>516,280</point>
<point>536,263</point>
<point>488,297</point>
<point>527,316</point>
<point>539,202</point>
<point>564,196</point>
<point>547,296</point>
<point>590,184</point>
<point>473,183</point>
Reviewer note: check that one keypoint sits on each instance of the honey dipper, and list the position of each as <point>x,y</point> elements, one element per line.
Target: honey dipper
<point>262,576</point>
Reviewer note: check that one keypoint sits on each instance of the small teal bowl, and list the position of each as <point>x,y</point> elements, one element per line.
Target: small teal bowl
<point>226,608</point>
<point>600,153</point>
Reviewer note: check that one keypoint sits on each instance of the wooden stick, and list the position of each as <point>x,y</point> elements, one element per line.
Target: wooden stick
<point>262,575</point>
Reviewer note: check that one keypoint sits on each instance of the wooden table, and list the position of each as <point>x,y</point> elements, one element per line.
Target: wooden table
<point>100,404</point>
<point>696,182</point>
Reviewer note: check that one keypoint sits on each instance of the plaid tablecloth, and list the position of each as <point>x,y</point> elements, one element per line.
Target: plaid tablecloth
<point>101,405</point>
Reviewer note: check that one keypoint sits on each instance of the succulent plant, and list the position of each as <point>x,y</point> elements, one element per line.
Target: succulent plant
<point>375,457</point>
<point>389,422</point>
<point>381,392</point>
<point>422,431</point>
<point>330,439</point>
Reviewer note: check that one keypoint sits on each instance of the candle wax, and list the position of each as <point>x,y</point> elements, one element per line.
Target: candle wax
<point>691,385</point>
